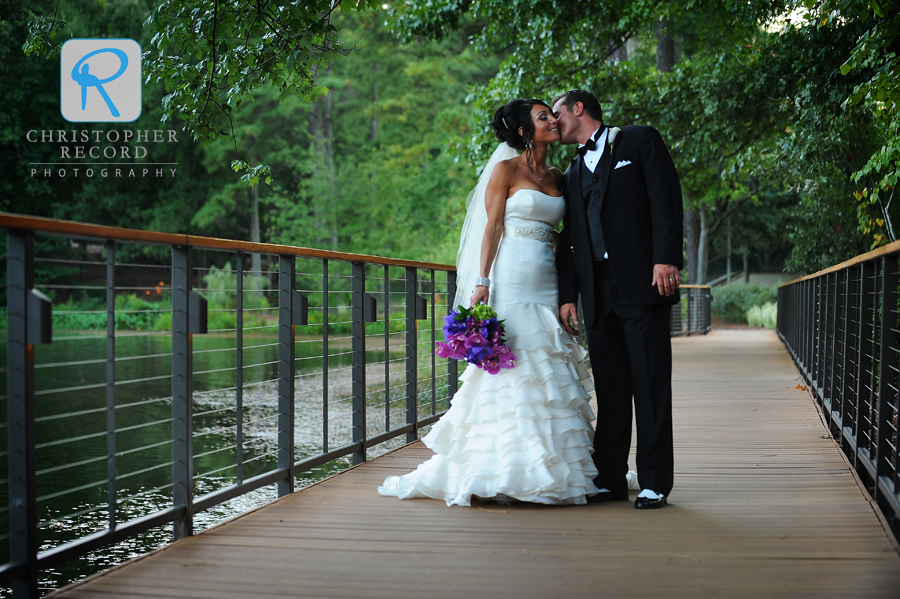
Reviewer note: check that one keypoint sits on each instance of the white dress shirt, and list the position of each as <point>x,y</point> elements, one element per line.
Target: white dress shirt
<point>592,157</point>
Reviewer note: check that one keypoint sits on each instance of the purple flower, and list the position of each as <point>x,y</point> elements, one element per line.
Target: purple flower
<point>443,350</point>
<point>475,339</point>
<point>492,365</point>
<point>476,335</point>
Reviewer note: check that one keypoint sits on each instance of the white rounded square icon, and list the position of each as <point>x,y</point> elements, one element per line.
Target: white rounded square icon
<point>100,80</point>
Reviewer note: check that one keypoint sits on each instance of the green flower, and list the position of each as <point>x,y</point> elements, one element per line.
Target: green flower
<point>483,312</point>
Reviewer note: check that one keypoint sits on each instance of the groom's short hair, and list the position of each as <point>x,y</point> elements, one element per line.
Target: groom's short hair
<point>588,100</point>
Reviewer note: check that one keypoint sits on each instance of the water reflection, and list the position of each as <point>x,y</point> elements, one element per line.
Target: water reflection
<point>71,430</point>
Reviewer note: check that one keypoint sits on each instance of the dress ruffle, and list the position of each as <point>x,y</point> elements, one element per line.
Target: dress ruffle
<point>524,433</point>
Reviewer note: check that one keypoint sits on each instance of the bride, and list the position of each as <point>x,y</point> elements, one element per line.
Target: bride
<point>523,434</point>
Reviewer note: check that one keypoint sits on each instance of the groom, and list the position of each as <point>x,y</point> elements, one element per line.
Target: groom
<point>621,249</point>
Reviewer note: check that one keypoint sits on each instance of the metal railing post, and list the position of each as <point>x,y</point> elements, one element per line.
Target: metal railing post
<point>887,380</point>
<point>845,340</point>
<point>851,364</point>
<point>387,348</point>
<point>690,315</point>
<point>830,344</point>
<point>286,275</point>
<point>239,369</point>
<point>433,355</point>
<point>111,381</point>
<point>814,349</point>
<point>865,376</point>
<point>20,406</point>
<point>358,353</point>
<point>818,352</point>
<point>324,356</point>
<point>452,365</point>
<point>182,392</point>
<point>811,332</point>
<point>412,408</point>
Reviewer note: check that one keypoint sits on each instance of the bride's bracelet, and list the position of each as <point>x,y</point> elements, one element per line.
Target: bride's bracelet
<point>483,281</point>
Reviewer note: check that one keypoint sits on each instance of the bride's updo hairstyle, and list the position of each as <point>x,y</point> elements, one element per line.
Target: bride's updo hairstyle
<point>512,116</point>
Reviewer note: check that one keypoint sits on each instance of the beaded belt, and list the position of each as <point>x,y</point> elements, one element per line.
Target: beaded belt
<point>539,233</point>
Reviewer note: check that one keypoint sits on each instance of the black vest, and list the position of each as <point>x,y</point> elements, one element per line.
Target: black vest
<point>589,182</point>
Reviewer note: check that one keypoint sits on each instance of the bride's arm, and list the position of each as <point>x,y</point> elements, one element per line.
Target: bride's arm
<point>495,204</point>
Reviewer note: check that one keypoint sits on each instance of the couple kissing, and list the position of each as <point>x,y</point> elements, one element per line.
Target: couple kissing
<point>525,434</point>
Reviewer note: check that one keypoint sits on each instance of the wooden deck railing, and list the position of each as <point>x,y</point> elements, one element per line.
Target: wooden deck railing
<point>345,339</point>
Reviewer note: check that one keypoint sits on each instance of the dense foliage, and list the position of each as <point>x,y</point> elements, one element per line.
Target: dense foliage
<point>755,98</point>
<point>782,117</point>
<point>364,162</point>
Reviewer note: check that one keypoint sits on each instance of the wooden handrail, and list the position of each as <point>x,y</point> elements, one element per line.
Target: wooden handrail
<point>82,231</point>
<point>874,254</point>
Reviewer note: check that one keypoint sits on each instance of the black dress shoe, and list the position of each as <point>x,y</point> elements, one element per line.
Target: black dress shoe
<point>647,503</point>
<point>608,496</point>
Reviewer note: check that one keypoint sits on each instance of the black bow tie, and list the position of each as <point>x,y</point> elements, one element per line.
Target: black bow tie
<point>590,144</point>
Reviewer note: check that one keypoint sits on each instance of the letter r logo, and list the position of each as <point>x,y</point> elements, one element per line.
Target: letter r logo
<point>100,80</point>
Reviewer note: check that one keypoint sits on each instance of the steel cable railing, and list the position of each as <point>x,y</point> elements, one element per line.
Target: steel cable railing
<point>692,315</point>
<point>151,405</point>
<point>840,326</point>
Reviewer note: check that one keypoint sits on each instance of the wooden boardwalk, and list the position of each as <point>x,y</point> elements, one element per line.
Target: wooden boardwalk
<point>764,506</point>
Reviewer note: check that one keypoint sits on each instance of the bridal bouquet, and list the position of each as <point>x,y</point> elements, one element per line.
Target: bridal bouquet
<point>476,336</point>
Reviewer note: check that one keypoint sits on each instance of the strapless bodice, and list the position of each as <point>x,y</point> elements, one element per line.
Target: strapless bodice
<point>524,270</point>
<point>533,208</point>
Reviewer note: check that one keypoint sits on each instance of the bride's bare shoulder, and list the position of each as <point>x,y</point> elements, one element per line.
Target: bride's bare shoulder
<point>504,172</point>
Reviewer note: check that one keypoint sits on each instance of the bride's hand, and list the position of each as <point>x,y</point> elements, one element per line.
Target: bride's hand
<point>481,295</point>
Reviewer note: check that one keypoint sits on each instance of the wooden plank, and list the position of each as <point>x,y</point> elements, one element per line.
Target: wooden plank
<point>763,505</point>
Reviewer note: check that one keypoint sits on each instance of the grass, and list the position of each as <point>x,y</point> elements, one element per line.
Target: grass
<point>765,316</point>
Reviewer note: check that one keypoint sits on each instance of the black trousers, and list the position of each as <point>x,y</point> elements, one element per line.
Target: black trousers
<point>631,355</point>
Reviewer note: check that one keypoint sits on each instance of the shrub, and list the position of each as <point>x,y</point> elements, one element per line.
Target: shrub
<point>221,289</point>
<point>763,316</point>
<point>731,302</point>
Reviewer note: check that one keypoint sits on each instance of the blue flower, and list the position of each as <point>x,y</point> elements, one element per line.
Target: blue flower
<point>452,326</point>
<point>477,353</point>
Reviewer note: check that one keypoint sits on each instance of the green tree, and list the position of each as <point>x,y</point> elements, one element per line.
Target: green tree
<point>875,58</point>
<point>380,173</point>
<point>753,98</point>
<point>650,63</point>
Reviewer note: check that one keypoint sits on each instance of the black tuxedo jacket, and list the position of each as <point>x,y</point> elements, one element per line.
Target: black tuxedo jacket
<point>642,218</point>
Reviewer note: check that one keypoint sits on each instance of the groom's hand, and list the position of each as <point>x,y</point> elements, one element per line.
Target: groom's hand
<point>569,312</point>
<point>666,278</point>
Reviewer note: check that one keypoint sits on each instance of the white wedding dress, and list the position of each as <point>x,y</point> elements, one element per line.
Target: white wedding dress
<point>525,433</point>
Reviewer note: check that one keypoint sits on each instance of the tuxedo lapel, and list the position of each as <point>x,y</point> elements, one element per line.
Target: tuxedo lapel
<point>576,199</point>
<point>605,167</point>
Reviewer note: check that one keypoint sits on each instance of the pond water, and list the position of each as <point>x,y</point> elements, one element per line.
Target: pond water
<point>71,424</point>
